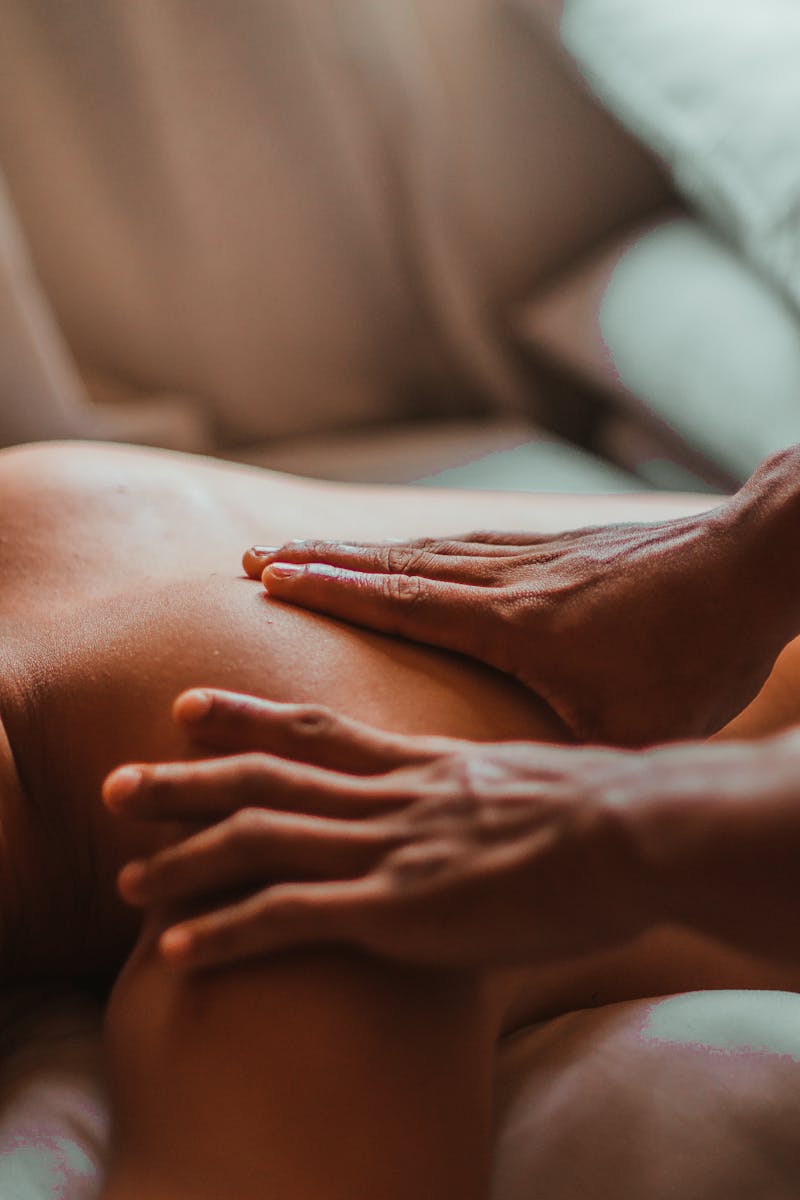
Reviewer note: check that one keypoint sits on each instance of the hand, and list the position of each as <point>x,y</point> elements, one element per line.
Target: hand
<point>632,633</point>
<point>429,851</point>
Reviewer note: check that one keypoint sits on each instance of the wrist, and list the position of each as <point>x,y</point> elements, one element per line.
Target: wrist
<point>637,828</point>
<point>761,524</point>
<point>714,841</point>
<point>670,826</point>
<point>635,808</point>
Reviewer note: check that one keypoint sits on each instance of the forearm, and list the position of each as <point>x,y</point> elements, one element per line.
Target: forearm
<point>716,842</point>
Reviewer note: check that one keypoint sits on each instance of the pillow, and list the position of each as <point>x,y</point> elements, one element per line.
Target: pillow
<point>713,86</point>
<point>671,321</point>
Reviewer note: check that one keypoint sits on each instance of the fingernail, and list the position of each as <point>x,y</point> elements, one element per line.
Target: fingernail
<point>121,785</point>
<point>262,551</point>
<point>131,879</point>
<point>176,943</point>
<point>194,706</point>
<point>283,570</point>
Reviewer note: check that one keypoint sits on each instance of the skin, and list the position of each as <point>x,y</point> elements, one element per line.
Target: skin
<point>431,851</point>
<point>109,571</point>
<point>120,590</point>
<point>472,837</point>
<point>443,851</point>
<point>634,633</point>
<point>112,676</point>
<point>105,570</point>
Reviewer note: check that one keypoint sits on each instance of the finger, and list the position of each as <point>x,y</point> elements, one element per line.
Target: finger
<point>491,539</point>
<point>254,846</point>
<point>391,558</point>
<point>425,610</point>
<point>342,553</point>
<point>519,543</point>
<point>349,554</point>
<point>483,542</point>
<point>275,919</point>
<point>469,545</point>
<point>213,788</point>
<point>305,733</point>
<point>369,555</point>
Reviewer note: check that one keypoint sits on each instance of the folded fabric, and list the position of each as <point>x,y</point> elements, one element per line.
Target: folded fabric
<point>713,87</point>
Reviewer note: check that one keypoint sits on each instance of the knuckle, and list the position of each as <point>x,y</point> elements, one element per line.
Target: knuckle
<point>455,799</point>
<point>408,559</point>
<point>459,777</point>
<point>304,546</point>
<point>379,845</point>
<point>470,779</point>
<point>514,599</point>
<point>490,573</point>
<point>244,713</point>
<point>397,559</point>
<point>292,907</point>
<point>420,862</point>
<point>157,784</point>
<point>404,591</point>
<point>447,815</point>
<point>486,536</point>
<point>246,827</point>
<point>322,551</point>
<point>234,706</point>
<point>163,869</point>
<point>216,938</point>
<point>251,775</point>
<point>312,721</point>
<point>514,604</point>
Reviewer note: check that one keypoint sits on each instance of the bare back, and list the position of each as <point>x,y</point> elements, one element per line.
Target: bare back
<point>121,586</point>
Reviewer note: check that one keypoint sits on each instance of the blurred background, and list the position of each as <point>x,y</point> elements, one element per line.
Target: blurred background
<point>546,245</point>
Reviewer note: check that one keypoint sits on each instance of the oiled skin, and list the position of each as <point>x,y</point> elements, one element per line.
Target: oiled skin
<point>121,585</point>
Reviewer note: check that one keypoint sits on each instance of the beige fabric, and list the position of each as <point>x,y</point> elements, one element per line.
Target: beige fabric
<point>295,214</point>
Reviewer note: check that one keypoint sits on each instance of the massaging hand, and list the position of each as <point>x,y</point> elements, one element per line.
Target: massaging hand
<point>431,851</point>
<point>633,633</point>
